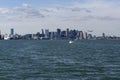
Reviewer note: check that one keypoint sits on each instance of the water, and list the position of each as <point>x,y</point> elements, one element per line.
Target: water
<point>59,60</point>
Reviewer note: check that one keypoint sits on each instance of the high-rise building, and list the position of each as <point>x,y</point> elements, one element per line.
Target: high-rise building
<point>42,31</point>
<point>58,33</point>
<point>11,36</point>
<point>12,31</point>
<point>81,35</point>
<point>43,34</point>
<point>90,36</point>
<point>67,32</point>
<point>63,34</point>
<point>52,35</point>
<point>103,35</point>
<point>46,33</point>
<point>0,34</point>
<point>85,35</point>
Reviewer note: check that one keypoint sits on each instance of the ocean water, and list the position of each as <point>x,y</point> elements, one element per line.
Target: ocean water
<point>59,60</point>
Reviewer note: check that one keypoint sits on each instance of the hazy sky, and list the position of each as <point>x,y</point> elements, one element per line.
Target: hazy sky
<point>30,16</point>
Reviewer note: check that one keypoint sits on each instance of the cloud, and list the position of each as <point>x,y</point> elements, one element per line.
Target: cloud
<point>4,10</point>
<point>25,12</point>
<point>94,10</point>
<point>108,18</point>
<point>97,10</point>
<point>67,8</point>
<point>78,9</point>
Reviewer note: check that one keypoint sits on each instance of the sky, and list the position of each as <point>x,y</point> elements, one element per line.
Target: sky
<point>30,16</point>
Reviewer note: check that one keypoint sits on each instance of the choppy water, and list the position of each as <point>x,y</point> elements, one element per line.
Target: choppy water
<point>59,60</point>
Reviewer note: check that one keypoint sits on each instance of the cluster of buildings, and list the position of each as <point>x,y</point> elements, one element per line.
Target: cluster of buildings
<point>9,36</point>
<point>56,35</point>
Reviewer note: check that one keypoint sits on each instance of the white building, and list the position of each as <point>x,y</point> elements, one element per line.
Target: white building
<point>6,37</point>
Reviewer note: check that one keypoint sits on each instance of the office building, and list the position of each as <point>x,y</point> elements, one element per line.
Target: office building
<point>58,33</point>
<point>63,34</point>
<point>90,36</point>
<point>6,37</point>
<point>103,35</point>
<point>85,35</point>
<point>43,34</point>
<point>46,33</point>
<point>81,35</point>
<point>0,35</point>
<point>12,31</point>
<point>67,32</point>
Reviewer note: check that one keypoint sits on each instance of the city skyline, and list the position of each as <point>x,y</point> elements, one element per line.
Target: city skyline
<point>59,34</point>
<point>30,16</point>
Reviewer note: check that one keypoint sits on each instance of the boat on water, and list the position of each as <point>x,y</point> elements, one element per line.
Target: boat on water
<point>70,42</point>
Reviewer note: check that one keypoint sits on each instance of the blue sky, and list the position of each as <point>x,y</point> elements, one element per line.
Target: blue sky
<point>30,16</point>
<point>12,3</point>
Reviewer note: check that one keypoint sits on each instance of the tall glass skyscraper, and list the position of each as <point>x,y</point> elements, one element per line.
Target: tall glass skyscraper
<point>12,31</point>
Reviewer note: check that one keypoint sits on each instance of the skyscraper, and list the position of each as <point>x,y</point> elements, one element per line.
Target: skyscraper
<point>43,34</point>
<point>103,35</point>
<point>0,34</point>
<point>85,35</point>
<point>81,35</point>
<point>46,33</point>
<point>12,31</point>
<point>67,32</point>
<point>58,33</point>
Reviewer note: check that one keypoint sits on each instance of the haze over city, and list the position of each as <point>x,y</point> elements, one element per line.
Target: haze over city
<point>30,16</point>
